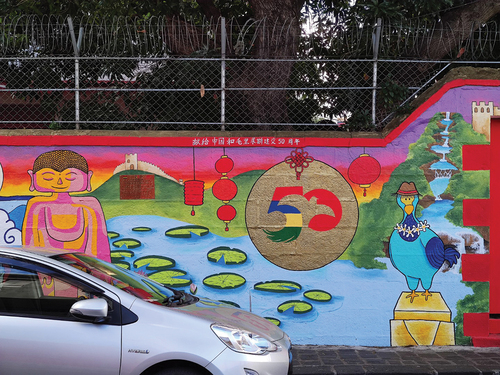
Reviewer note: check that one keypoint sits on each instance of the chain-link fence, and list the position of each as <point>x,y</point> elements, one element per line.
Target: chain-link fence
<point>44,86</point>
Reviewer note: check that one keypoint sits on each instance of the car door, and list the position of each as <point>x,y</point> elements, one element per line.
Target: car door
<point>38,335</point>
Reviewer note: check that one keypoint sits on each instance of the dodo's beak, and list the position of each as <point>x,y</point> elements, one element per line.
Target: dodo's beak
<point>409,209</point>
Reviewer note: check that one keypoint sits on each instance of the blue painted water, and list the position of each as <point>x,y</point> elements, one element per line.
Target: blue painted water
<point>443,165</point>
<point>447,122</point>
<point>441,149</point>
<point>363,299</point>
<point>439,185</point>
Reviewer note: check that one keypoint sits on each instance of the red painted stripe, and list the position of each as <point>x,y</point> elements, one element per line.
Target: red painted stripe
<point>476,157</point>
<point>476,324</point>
<point>494,224</point>
<point>476,212</point>
<point>475,267</point>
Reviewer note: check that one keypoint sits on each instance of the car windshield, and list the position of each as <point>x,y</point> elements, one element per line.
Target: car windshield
<point>128,281</point>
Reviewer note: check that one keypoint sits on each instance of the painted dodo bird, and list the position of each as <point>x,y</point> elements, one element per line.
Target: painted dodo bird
<point>415,250</point>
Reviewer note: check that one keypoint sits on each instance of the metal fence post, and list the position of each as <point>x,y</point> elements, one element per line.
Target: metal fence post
<point>76,48</point>
<point>223,75</point>
<point>376,44</point>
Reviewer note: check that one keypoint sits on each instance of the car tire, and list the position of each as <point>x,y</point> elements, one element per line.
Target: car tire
<point>179,371</point>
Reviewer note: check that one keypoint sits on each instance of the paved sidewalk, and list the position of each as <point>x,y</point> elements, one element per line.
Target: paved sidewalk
<point>347,360</point>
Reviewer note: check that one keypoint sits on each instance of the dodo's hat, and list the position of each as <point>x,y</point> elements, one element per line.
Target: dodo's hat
<point>407,188</point>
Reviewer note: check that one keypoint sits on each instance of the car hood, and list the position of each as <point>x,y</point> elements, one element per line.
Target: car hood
<point>219,312</point>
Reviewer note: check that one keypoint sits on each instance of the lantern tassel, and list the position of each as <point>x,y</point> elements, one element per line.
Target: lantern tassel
<point>192,211</point>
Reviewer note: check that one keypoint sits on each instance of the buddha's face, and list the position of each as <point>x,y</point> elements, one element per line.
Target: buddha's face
<point>67,181</point>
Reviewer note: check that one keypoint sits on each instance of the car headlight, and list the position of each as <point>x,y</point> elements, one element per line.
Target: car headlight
<point>243,341</point>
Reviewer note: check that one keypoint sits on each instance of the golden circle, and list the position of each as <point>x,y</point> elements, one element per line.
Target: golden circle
<point>312,249</point>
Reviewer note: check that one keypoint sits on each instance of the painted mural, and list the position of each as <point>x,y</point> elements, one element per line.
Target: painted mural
<point>341,241</point>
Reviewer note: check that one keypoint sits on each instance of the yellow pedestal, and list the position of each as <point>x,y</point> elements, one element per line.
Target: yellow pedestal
<point>422,322</point>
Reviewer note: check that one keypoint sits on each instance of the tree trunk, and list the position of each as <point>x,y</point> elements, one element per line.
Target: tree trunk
<point>277,39</point>
<point>456,26</point>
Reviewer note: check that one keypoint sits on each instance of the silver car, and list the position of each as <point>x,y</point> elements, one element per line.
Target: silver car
<point>68,313</point>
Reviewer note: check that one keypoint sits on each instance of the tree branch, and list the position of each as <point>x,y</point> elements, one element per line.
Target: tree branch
<point>456,25</point>
<point>209,9</point>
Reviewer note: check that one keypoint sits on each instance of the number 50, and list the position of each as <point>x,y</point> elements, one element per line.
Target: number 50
<point>320,222</point>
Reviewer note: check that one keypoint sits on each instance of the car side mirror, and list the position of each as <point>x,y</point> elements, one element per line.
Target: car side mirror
<point>93,310</point>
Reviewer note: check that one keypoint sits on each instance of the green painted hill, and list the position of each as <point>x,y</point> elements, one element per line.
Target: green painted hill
<point>169,202</point>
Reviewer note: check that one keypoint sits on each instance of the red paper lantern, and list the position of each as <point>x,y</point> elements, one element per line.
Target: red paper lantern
<point>193,193</point>
<point>224,189</point>
<point>226,213</point>
<point>224,165</point>
<point>364,171</point>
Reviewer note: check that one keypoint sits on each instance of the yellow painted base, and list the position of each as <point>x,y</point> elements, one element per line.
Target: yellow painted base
<point>422,322</point>
<point>433,309</point>
<point>421,332</point>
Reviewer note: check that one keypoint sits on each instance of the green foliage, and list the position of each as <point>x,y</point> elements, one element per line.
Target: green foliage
<point>374,9</point>
<point>360,120</point>
<point>184,79</point>
<point>472,303</point>
<point>392,94</point>
<point>378,217</point>
<point>469,185</point>
<point>466,184</point>
<point>463,134</point>
<point>102,8</point>
<point>402,11</point>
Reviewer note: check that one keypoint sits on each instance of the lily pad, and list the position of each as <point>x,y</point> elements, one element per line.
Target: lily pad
<point>122,264</point>
<point>117,255</point>
<point>155,263</point>
<point>112,234</point>
<point>225,280</point>
<point>173,278</point>
<point>186,231</point>
<point>141,229</point>
<point>278,286</point>
<point>228,255</point>
<point>130,243</point>
<point>273,320</point>
<point>299,307</point>
<point>318,295</point>
<point>234,304</point>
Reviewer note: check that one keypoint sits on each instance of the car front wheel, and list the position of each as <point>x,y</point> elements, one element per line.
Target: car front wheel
<point>184,370</point>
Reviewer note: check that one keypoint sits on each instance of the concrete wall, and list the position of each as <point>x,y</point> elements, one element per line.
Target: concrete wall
<point>346,241</point>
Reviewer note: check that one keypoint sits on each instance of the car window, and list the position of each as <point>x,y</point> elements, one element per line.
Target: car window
<point>29,289</point>
<point>125,280</point>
